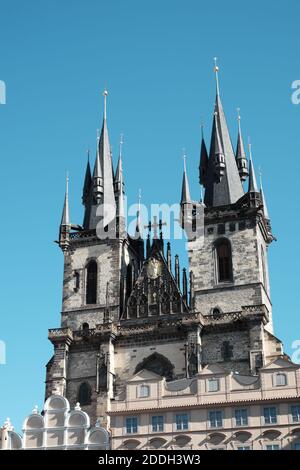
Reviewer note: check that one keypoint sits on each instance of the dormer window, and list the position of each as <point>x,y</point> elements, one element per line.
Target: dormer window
<point>280,380</point>
<point>144,391</point>
<point>213,385</point>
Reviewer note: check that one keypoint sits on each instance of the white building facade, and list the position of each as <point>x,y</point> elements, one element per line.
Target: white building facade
<point>215,410</point>
<point>57,427</point>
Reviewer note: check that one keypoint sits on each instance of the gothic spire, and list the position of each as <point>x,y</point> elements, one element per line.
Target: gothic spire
<point>102,181</point>
<point>65,224</point>
<point>253,188</point>
<point>65,218</point>
<point>106,161</point>
<point>185,192</point>
<point>203,160</point>
<point>87,182</point>
<point>265,208</point>
<point>227,188</point>
<point>119,188</point>
<point>138,227</point>
<point>119,182</point>
<point>240,155</point>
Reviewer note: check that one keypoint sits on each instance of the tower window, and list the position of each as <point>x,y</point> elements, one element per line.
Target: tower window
<point>224,261</point>
<point>91,283</point>
<point>76,281</point>
<point>84,394</point>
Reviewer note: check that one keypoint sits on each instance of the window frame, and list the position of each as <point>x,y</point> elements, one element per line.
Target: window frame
<point>280,374</point>
<point>88,280</point>
<point>133,429</point>
<point>295,414</point>
<point>242,418</point>
<point>210,381</point>
<point>87,391</point>
<point>143,387</point>
<point>223,279</point>
<point>182,422</point>
<point>270,418</point>
<point>216,420</point>
<point>272,445</point>
<point>159,425</point>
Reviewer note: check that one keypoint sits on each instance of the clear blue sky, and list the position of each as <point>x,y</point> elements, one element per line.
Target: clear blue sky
<point>156,60</point>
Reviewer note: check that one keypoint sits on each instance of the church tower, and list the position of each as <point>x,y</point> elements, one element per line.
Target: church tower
<point>128,307</point>
<point>229,267</point>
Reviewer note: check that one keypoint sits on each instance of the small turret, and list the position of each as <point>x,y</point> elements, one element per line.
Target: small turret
<point>184,285</point>
<point>177,271</point>
<point>87,182</point>
<point>169,258</point>
<point>119,191</point>
<point>186,203</point>
<point>254,194</point>
<point>203,161</point>
<point>65,224</point>
<point>240,154</point>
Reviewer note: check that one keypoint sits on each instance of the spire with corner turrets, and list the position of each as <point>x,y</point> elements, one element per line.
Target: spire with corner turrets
<point>103,179</point>
<point>223,185</point>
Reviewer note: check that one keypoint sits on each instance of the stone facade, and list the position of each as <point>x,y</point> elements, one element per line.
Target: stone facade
<point>133,312</point>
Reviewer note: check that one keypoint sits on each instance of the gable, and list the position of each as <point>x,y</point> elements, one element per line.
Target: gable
<point>280,363</point>
<point>212,369</point>
<point>155,291</point>
<point>145,375</point>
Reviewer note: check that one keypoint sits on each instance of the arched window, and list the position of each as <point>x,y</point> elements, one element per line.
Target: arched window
<point>84,394</point>
<point>280,380</point>
<point>91,283</point>
<point>223,261</point>
<point>85,329</point>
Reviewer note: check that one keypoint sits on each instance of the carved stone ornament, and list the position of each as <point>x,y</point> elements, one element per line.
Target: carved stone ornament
<point>154,268</point>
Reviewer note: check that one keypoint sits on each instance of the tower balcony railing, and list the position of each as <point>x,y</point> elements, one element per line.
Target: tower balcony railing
<point>81,234</point>
<point>240,315</point>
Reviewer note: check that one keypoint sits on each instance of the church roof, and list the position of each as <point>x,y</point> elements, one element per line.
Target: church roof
<point>229,188</point>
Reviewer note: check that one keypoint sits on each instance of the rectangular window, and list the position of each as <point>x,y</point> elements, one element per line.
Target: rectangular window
<point>157,423</point>
<point>144,391</point>
<point>131,425</point>
<point>244,448</point>
<point>241,417</point>
<point>297,446</point>
<point>213,385</point>
<point>270,415</point>
<point>182,422</point>
<point>272,447</point>
<point>215,419</point>
<point>296,413</point>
